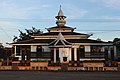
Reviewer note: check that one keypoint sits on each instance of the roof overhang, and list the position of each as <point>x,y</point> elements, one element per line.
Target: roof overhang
<point>29,44</point>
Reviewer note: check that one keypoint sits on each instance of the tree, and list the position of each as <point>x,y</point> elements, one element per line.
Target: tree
<point>1,51</point>
<point>116,39</point>
<point>98,39</point>
<point>27,35</point>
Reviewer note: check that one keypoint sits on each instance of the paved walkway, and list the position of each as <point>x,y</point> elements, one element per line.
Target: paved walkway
<point>38,75</point>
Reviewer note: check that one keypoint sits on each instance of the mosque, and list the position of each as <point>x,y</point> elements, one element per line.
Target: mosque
<point>63,48</point>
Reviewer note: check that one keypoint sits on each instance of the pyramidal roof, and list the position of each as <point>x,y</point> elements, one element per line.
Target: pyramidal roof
<point>60,13</point>
<point>60,42</point>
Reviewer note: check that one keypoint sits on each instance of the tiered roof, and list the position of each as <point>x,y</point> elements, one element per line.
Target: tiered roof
<point>60,40</point>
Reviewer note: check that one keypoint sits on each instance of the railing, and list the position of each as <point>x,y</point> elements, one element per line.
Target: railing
<point>40,55</point>
<point>94,55</point>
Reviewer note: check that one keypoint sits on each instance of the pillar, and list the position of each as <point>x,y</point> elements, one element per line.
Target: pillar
<point>78,54</point>
<point>23,57</point>
<point>75,54</point>
<point>115,53</point>
<point>70,55</point>
<point>57,55</point>
<point>15,51</point>
<point>54,55</point>
<point>109,55</point>
<point>60,55</point>
<point>112,54</point>
<point>28,57</point>
<point>106,54</point>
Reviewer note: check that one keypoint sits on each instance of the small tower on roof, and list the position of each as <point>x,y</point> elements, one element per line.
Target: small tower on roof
<point>60,18</point>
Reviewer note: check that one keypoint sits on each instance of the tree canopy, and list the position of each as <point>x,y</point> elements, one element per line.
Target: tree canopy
<point>27,35</point>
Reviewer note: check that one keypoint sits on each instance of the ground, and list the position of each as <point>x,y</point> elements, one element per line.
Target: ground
<point>40,75</point>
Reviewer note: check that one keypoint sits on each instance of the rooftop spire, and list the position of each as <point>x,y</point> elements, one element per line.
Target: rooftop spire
<point>60,18</point>
<point>60,13</point>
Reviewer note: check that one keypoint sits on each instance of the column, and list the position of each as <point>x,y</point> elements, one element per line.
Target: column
<point>15,51</point>
<point>70,55</point>
<point>23,56</point>
<point>54,55</point>
<point>60,55</point>
<point>106,53</point>
<point>109,55</point>
<point>28,57</point>
<point>112,54</point>
<point>57,55</point>
<point>78,54</point>
<point>115,53</point>
<point>75,54</point>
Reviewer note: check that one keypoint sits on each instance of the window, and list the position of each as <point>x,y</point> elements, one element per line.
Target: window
<point>18,50</point>
<point>39,49</point>
<point>82,51</point>
<point>96,49</point>
<point>45,49</point>
<point>82,48</point>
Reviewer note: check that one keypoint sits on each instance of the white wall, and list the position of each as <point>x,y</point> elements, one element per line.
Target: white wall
<point>87,48</point>
<point>64,52</point>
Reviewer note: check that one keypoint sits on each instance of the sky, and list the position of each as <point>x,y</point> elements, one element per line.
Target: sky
<point>98,17</point>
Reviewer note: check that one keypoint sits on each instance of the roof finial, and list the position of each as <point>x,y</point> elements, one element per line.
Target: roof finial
<point>60,3</point>
<point>60,6</point>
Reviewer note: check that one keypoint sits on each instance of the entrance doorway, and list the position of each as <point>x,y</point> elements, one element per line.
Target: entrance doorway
<point>64,59</point>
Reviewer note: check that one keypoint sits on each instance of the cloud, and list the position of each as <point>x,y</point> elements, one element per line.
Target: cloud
<point>7,31</point>
<point>111,17</point>
<point>8,9</point>
<point>75,12</point>
<point>9,28</point>
<point>92,0</point>
<point>23,10</point>
<point>108,3</point>
<point>112,3</point>
<point>45,6</point>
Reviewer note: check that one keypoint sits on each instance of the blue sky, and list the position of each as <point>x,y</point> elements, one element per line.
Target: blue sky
<point>83,14</point>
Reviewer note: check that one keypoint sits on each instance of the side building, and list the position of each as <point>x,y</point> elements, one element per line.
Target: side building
<point>63,48</point>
